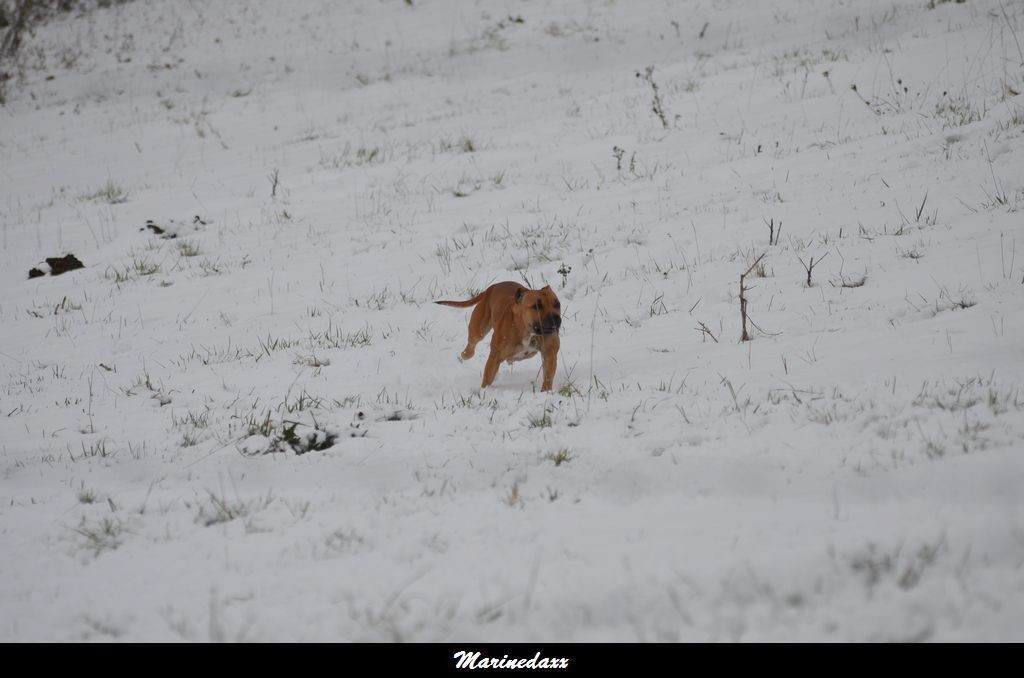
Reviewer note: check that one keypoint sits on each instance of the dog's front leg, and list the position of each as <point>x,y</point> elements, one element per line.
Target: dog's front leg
<point>491,368</point>
<point>549,354</point>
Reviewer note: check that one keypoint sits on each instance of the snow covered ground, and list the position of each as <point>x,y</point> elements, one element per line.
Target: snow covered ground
<point>853,473</point>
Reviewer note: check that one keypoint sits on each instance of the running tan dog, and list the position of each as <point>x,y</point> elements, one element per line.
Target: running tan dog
<point>525,322</point>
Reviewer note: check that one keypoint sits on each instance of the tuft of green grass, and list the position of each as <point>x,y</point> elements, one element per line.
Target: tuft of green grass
<point>211,267</point>
<point>140,266</point>
<point>95,449</point>
<point>272,344</point>
<point>559,457</point>
<point>957,111</point>
<point>540,421</point>
<point>143,266</point>
<point>344,541</point>
<point>219,510</point>
<point>335,337</point>
<point>104,535</point>
<point>461,144</point>
<point>187,248</point>
<point>569,390</point>
<point>211,356</point>
<point>192,419</point>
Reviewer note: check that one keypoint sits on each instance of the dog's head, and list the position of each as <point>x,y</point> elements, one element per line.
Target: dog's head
<point>539,310</point>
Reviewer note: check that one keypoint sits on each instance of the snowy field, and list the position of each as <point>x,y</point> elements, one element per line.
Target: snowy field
<point>259,429</point>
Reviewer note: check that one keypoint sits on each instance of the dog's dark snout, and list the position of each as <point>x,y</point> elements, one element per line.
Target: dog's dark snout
<point>552,323</point>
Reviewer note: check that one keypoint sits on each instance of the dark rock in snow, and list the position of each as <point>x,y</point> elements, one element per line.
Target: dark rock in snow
<point>64,264</point>
<point>56,266</point>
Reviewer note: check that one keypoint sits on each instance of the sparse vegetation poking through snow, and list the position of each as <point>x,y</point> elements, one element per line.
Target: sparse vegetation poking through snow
<point>899,98</point>
<point>140,267</point>
<point>637,168</point>
<point>905,571</point>
<point>111,193</point>
<point>955,111</point>
<point>459,144</point>
<point>96,449</point>
<point>803,61</point>
<point>569,389</point>
<point>335,337</point>
<point>187,248</point>
<point>969,393</point>
<point>998,197</point>
<point>270,345</point>
<point>17,19</point>
<point>219,509</point>
<point>103,535</point>
<point>362,156</point>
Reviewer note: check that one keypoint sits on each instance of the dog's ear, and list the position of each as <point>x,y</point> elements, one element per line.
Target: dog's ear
<point>520,293</point>
<point>546,287</point>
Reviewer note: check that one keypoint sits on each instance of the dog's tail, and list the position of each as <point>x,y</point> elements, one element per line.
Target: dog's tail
<point>463,304</point>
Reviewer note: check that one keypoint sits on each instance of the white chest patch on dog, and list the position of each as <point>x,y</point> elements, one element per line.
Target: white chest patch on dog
<point>528,349</point>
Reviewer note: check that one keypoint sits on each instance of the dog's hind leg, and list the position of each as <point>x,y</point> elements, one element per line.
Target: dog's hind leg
<point>479,326</point>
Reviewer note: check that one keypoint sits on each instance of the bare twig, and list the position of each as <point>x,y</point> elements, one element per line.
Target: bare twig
<point>810,267</point>
<point>743,297</point>
<point>618,153</point>
<point>706,331</point>
<point>656,105</point>
<point>274,181</point>
<point>999,197</point>
<point>920,210</point>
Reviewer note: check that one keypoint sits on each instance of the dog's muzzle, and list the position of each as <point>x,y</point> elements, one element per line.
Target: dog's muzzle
<point>550,325</point>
